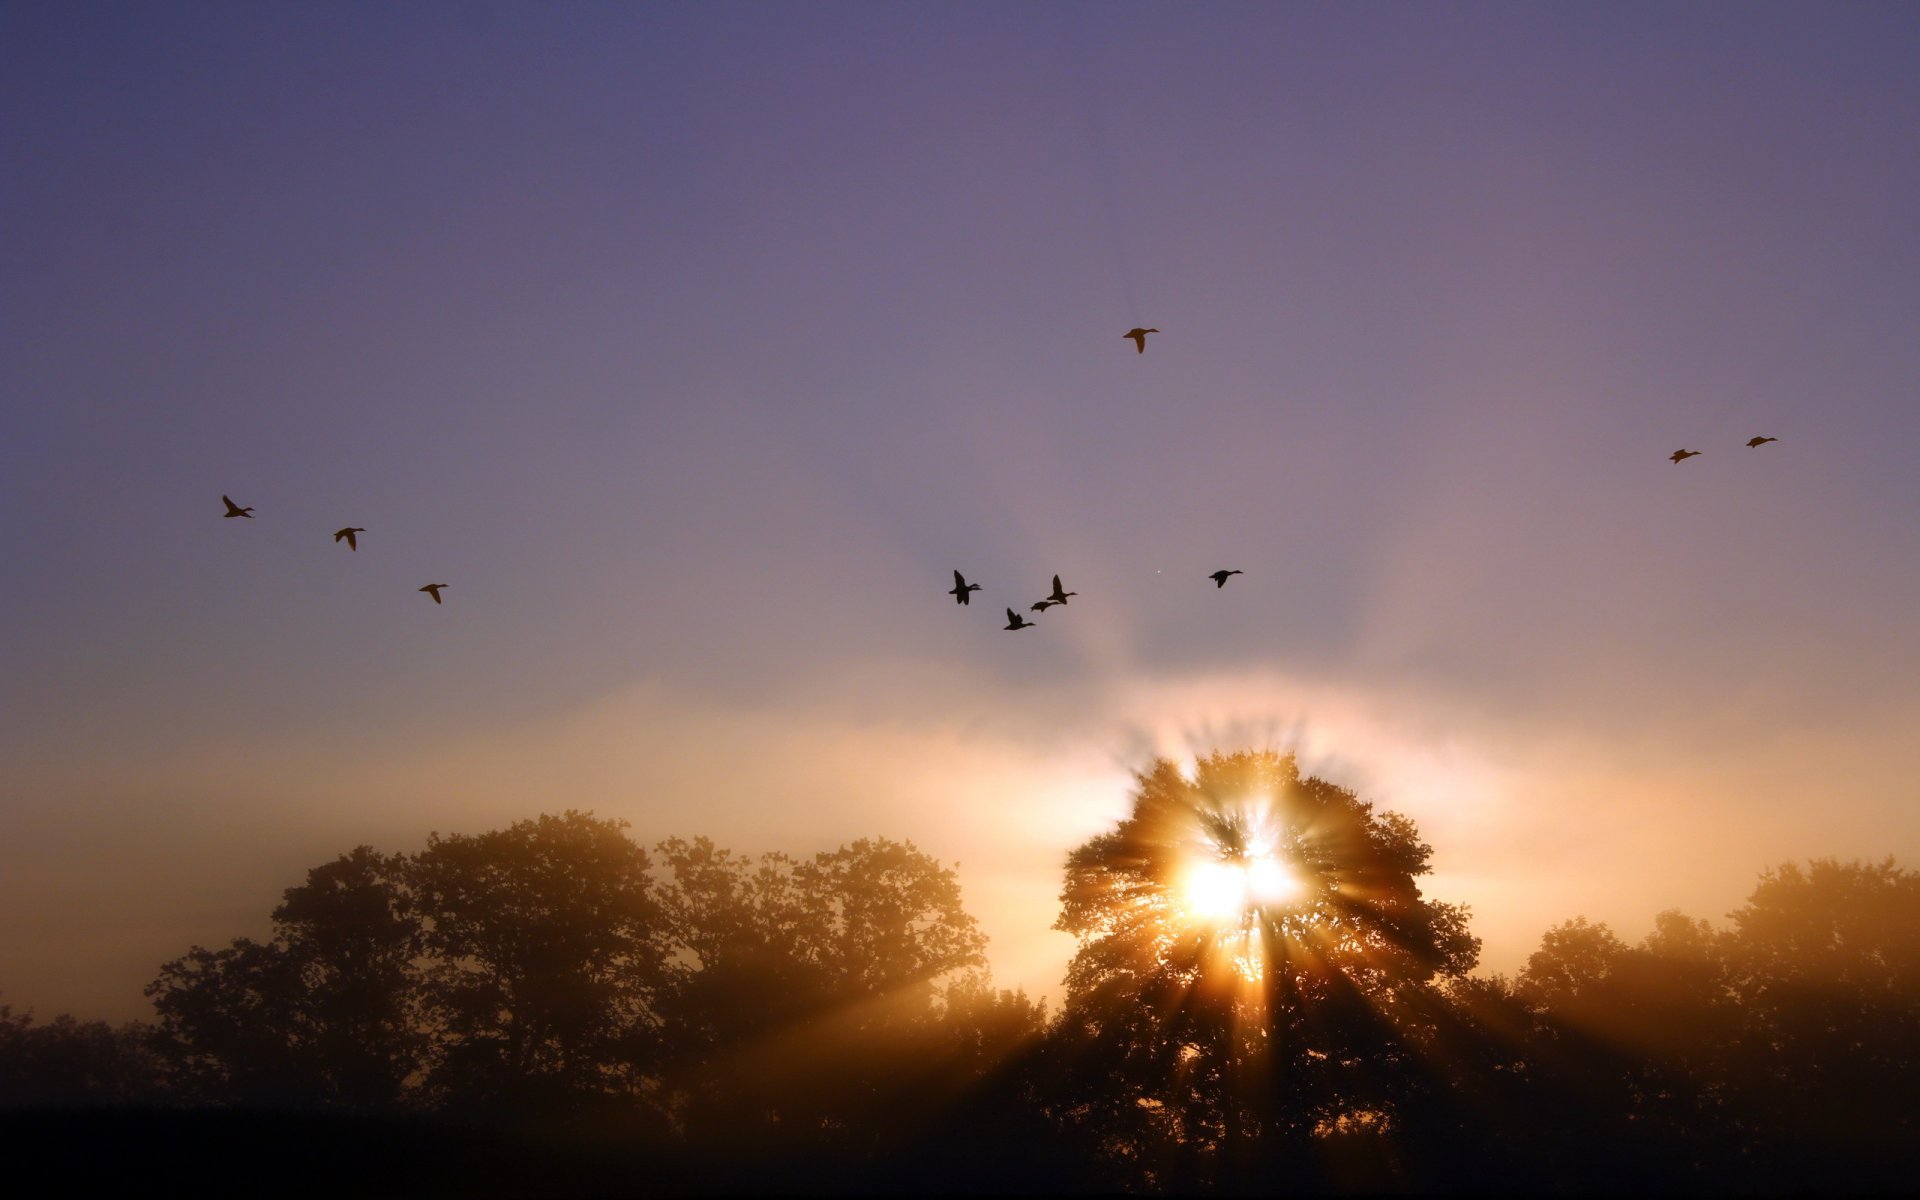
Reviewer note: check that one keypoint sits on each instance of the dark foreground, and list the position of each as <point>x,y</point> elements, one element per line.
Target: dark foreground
<point>156,1152</point>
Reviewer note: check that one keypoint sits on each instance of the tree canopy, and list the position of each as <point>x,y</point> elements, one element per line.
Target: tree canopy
<point>1256,966</point>
<point>1262,997</point>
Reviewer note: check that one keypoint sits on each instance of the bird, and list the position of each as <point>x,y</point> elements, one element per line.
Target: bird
<point>1044,605</point>
<point>234,510</point>
<point>347,534</point>
<point>433,589</point>
<point>1683,455</point>
<point>1756,443</point>
<point>1059,597</point>
<point>1016,621</point>
<point>1139,337</point>
<point>962,591</point>
<point>1220,577</point>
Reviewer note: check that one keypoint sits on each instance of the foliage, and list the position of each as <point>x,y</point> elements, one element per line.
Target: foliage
<point>806,997</point>
<point>545,960</point>
<point>67,1063</point>
<point>321,1014</point>
<point>1203,1049</point>
<point>544,972</point>
<point>706,1019</point>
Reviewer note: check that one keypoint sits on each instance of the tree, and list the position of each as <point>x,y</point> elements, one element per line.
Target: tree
<point>814,1002</point>
<point>65,1063</point>
<point>1825,968</point>
<point>1256,971</point>
<point>547,962</point>
<point>322,1014</point>
<point>1781,1052</point>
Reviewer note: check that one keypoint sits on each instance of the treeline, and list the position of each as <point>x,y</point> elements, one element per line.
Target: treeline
<point>626,1021</point>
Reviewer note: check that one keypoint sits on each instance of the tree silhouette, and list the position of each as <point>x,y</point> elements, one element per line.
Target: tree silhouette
<point>1211,1040</point>
<point>1825,967</point>
<point>1261,999</point>
<point>67,1063</point>
<point>547,960</point>
<point>810,997</point>
<point>1780,1052</point>
<point>321,1014</point>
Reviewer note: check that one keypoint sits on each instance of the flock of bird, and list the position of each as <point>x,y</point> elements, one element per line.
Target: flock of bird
<point>1753,443</point>
<point>962,591</point>
<point>349,535</point>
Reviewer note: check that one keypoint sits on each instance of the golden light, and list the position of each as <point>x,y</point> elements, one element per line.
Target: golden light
<point>1214,891</point>
<point>1222,890</point>
<point>1270,882</point>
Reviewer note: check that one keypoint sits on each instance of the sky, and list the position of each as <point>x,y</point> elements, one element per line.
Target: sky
<point>695,346</point>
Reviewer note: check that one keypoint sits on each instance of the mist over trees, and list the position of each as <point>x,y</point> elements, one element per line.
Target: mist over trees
<point>1262,998</point>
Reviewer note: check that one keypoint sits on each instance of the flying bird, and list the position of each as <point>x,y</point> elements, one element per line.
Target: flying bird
<point>1220,577</point>
<point>1059,597</point>
<point>962,591</point>
<point>1139,337</point>
<point>1016,621</point>
<point>347,535</point>
<point>234,510</point>
<point>1683,455</point>
<point>1756,443</point>
<point>1044,605</point>
<point>433,589</point>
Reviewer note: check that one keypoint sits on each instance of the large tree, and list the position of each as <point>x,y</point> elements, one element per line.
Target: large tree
<point>323,1013</point>
<point>547,962</point>
<point>1781,1051</point>
<point>817,1002</point>
<point>1825,964</point>
<point>1256,970</point>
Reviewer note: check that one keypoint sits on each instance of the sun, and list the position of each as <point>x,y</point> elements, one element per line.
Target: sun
<point>1219,890</point>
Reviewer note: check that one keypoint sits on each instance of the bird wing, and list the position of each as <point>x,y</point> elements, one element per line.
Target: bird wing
<point>353,543</point>
<point>959,580</point>
<point>231,506</point>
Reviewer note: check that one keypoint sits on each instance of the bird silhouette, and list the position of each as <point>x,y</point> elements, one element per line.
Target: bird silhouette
<point>1683,455</point>
<point>1756,443</point>
<point>1059,597</point>
<point>1044,605</point>
<point>433,589</point>
<point>1220,577</point>
<point>234,510</point>
<point>962,591</point>
<point>1016,621</point>
<point>1139,337</point>
<point>347,535</point>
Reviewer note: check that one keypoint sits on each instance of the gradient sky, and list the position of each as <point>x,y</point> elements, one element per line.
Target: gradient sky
<point>696,345</point>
